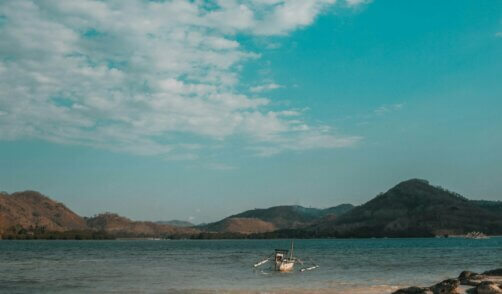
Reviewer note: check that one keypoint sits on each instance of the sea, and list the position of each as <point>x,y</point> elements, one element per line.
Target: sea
<point>226,266</point>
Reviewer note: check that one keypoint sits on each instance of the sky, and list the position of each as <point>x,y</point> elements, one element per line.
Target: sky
<point>195,110</point>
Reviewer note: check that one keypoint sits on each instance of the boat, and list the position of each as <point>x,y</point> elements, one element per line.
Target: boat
<point>284,261</point>
<point>476,235</point>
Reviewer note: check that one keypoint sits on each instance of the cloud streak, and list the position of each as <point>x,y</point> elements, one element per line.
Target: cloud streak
<point>381,110</point>
<point>144,77</point>
<point>266,87</point>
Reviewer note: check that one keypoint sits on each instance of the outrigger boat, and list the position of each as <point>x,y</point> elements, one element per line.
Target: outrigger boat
<point>476,235</point>
<point>284,262</point>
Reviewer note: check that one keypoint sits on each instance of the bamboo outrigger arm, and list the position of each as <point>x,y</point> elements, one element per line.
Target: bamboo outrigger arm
<point>314,266</point>
<point>263,261</point>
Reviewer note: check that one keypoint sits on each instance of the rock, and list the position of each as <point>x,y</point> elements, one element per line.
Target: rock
<point>488,287</point>
<point>466,275</point>
<point>487,283</point>
<point>413,290</point>
<point>470,278</point>
<point>495,272</point>
<point>449,286</point>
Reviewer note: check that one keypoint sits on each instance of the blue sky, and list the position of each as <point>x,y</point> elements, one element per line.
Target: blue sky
<point>195,110</point>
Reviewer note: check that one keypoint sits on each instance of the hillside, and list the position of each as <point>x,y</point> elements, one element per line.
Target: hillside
<point>414,208</point>
<point>336,210</point>
<point>241,225</point>
<point>493,206</point>
<point>30,211</point>
<point>176,223</point>
<point>273,218</point>
<point>117,225</point>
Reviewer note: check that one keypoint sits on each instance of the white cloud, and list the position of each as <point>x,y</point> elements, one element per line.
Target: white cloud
<point>357,2</point>
<point>289,15</point>
<point>388,108</point>
<point>142,76</point>
<point>319,138</point>
<point>266,87</point>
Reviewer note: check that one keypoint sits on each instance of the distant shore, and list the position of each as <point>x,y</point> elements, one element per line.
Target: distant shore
<point>411,209</point>
<point>101,235</point>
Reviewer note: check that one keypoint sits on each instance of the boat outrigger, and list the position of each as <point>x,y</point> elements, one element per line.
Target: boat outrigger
<point>284,261</point>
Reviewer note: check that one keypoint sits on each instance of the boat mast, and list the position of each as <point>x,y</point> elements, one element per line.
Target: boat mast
<point>291,252</point>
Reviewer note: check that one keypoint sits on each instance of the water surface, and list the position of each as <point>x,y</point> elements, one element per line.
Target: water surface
<point>225,266</point>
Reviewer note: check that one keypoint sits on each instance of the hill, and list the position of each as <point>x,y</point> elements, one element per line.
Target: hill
<point>336,210</point>
<point>414,208</point>
<point>117,225</point>
<point>176,223</point>
<point>493,206</point>
<point>32,211</point>
<point>241,225</point>
<point>30,214</point>
<point>273,218</point>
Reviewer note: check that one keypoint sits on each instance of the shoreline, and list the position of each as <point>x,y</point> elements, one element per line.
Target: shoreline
<point>74,236</point>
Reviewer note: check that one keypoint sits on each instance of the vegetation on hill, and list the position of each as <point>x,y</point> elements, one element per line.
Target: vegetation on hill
<point>176,223</point>
<point>413,208</point>
<point>31,215</point>
<point>120,226</point>
<point>493,206</point>
<point>24,234</point>
<point>274,218</point>
<point>241,225</point>
<point>30,210</point>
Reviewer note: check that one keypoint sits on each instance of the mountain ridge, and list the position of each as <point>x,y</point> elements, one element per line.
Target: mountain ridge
<point>176,223</point>
<point>30,213</point>
<point>31,209</point>
<point>278,217</point>
<point>412,208</point>
<point>117,225</point>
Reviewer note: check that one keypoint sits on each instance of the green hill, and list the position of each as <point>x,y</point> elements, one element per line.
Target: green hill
<point>415,208</point>
<point>277,217</point>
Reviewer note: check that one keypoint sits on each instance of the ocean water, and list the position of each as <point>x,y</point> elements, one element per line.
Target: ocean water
<point>225,266</point>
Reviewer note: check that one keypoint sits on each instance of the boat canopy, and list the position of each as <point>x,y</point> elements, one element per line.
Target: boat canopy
<point>285,251</point>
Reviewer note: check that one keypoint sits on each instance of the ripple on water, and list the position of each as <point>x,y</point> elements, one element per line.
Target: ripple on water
<point>368,266</point>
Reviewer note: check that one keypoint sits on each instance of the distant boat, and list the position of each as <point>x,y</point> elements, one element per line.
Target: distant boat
<point>476,235</point>
<point>284,261</point>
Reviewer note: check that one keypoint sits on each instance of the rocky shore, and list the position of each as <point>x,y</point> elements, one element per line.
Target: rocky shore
<point>489,282</point>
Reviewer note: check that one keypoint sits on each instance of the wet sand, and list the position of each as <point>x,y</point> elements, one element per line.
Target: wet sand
<point>377,289</point>
<point>340,289</point>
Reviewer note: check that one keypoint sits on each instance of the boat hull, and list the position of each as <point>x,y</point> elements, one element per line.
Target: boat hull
<point>285,266</point>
